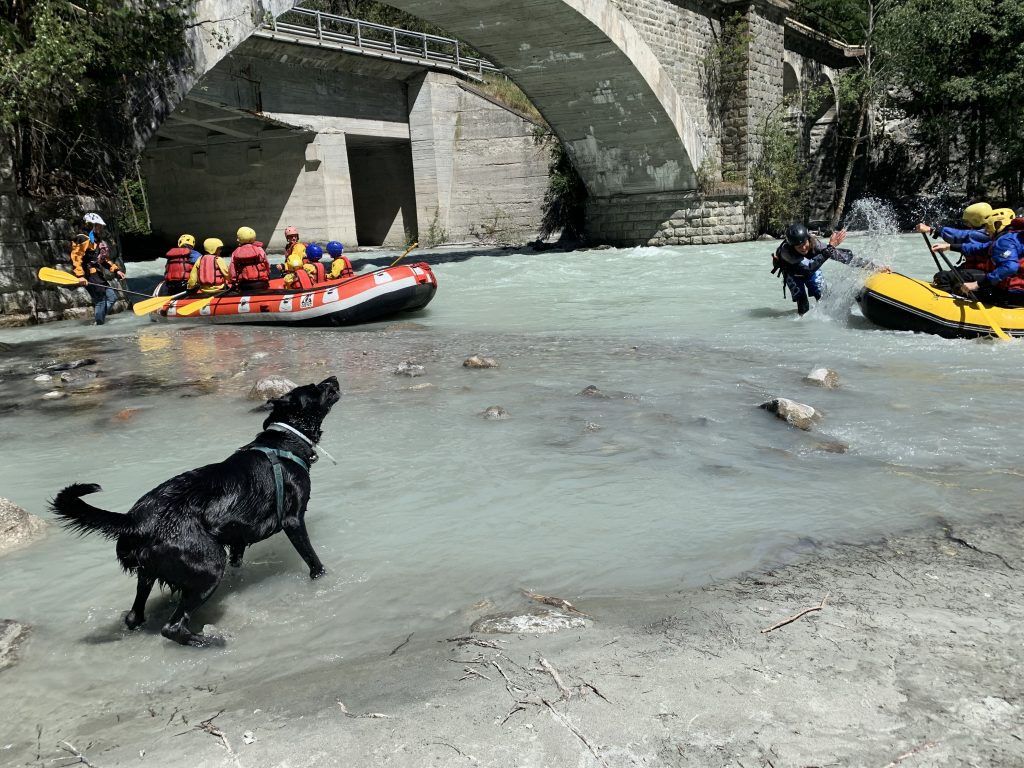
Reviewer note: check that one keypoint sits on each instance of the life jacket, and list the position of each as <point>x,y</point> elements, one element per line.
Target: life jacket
<point>341,267</point>
<point>249,262</point>
<point>210,273</point>
<point>292,246</point>
<point>303,280</point>
<point>316,270</point>
<point>179,264</point>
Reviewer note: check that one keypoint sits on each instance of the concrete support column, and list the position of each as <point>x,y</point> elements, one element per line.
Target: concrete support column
<point>330,152</point>
<point>433,126</point>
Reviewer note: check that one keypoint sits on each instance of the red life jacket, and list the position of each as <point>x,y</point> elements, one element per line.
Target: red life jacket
<point>179,264</point>
<point>302,280</point>
<point>249,262</point>
<point>209,272</point>
<point>321,273</point>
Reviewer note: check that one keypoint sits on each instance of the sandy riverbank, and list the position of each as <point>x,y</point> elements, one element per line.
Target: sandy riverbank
<point>915,659</point>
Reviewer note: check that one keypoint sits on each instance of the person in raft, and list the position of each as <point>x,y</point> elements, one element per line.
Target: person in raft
<point>295,276</point>
<point>210,273</point>
<point>974,218</point>
<point>996,276</point>
<point>250,269</point>
<point>179,264</point>
<point>340,265</point>
<point>291,238</point>
<point>90,259</point>
<point>312,263</point>
<point>800,256</point>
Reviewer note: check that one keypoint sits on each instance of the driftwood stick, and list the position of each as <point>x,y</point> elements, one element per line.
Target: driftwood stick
<point>73,751</point>
<point>911,753</point>
<point>557,602</point>
<point>791,619</point>
<point>562,688</point>
<point>574,730</point>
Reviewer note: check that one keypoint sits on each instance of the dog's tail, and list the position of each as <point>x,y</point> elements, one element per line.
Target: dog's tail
<point>76,515</point>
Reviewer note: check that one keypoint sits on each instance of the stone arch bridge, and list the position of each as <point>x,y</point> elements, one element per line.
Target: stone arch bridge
<point>628,87</point>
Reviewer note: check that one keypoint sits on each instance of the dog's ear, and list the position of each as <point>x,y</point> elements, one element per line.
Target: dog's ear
<point>284,400</point>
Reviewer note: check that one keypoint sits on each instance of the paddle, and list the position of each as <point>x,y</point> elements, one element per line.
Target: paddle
<point>984,312</point>
<point>155,303</point>
<point>50,275</point>
<point>407,250</point>
<point>192,307</point>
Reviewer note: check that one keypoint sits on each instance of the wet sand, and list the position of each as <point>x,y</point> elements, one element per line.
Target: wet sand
<point>913,659</point>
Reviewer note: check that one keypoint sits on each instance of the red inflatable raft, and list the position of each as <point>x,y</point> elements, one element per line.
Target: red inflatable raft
<point>360,299</point>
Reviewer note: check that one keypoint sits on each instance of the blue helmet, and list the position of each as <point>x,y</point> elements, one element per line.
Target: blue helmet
<point>314,252</point>
<point>335,249</point>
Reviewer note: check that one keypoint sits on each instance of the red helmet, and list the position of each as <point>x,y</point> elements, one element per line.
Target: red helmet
<point>289,231</point>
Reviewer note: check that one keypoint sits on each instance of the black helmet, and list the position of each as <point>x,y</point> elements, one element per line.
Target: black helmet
<point>797,234</point>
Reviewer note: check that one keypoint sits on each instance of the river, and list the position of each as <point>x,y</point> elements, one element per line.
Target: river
<point>675,479</point>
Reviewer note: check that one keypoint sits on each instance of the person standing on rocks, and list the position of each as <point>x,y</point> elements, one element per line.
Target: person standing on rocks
<point>91,264</point>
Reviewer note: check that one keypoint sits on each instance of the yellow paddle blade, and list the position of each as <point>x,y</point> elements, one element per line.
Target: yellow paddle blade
<point>407,251</point>
<point>1000,333</point>
<point>51,275</point>
<point>146,306</point>
<point>192,307</point>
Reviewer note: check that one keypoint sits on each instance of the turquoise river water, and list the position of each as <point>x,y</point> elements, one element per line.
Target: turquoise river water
<point>675,480</point>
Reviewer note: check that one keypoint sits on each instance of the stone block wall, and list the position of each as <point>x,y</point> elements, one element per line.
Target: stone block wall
<point>669,219</point>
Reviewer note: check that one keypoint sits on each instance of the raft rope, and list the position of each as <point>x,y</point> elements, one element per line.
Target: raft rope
<point>315,446</point>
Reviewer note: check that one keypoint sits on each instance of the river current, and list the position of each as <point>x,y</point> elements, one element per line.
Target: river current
<point>675,479</point>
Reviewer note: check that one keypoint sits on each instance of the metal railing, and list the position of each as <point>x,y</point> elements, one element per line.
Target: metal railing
<point>378,39</point>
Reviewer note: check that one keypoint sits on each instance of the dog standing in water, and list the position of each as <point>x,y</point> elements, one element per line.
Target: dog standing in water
<point>177,533</point>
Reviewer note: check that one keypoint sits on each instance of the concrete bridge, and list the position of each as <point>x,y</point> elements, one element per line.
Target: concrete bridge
<point>627,85</point>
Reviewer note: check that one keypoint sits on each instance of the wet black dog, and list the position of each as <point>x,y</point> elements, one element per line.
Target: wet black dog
<point>177,533</point>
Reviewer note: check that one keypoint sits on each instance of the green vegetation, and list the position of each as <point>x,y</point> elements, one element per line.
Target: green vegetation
<point>503,90</point>
<point>67,72</point>
<point>565,200</point>
<point>778,179</point>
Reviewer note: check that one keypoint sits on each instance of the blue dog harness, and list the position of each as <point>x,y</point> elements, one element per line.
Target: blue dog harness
<point>275,455</point>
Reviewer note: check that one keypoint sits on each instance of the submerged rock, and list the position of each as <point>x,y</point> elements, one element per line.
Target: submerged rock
<point>269,388</point>
<point>823,377</point>
<point>536,622</point>
<point>477,361</point>
<point>13,634</point>
<point>797,414</point>
<point>71,365</point>
<point>592,391</point>
<point>495,413</point>
<point>409,368</point>
<point>18,527</point>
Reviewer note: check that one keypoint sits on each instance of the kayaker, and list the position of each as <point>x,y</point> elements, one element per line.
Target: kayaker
<point>179,264</point>
<point>800,257</point>
<point>340,265</point>
<point>209,274</point>
<point>999,279</point>
<point>974,217</point>
<point>250,269</point>
<point>312,263</point>
<point>90,259</point>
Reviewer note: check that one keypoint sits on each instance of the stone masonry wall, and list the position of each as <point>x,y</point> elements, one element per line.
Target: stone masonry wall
<point>669,219</point>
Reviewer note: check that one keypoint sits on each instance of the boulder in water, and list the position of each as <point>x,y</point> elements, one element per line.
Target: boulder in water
<point>823,377</point>
<point>13,634</point>
<point>797,414</point>
<point>495,413</point>
<point>478,361</point>
<point>271,387</point>
<point>409,368</point>
<point>18,527</point>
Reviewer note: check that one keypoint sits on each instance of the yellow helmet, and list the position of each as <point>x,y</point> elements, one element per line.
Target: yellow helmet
<point>998,220</point>
<point>211,244</point>
<point>188,240</point>
<point>294,260</point>
<point>974,215</point>
<point>246,235</point>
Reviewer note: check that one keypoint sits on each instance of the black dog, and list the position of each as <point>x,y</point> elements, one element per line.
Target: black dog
<point>176,533</point>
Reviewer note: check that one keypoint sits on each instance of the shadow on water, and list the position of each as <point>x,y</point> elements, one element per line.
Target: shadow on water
<point>770,312</point>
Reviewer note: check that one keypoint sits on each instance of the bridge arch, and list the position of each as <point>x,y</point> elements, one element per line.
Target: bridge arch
<point>584,66</point>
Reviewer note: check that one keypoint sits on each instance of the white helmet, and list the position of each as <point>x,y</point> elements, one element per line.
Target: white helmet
<point>94,218</point>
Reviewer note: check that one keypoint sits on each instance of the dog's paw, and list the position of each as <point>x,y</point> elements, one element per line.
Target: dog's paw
<point>133,620</point>
<point>316,573</point>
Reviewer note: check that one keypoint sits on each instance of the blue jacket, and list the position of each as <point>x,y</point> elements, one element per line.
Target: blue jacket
<point>1006,254</point>
<point>954,235</point>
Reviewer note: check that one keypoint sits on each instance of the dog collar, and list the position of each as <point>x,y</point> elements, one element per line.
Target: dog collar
<point>277,426</point>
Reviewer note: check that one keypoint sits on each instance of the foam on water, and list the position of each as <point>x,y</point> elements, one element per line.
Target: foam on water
<point>675,478</point>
